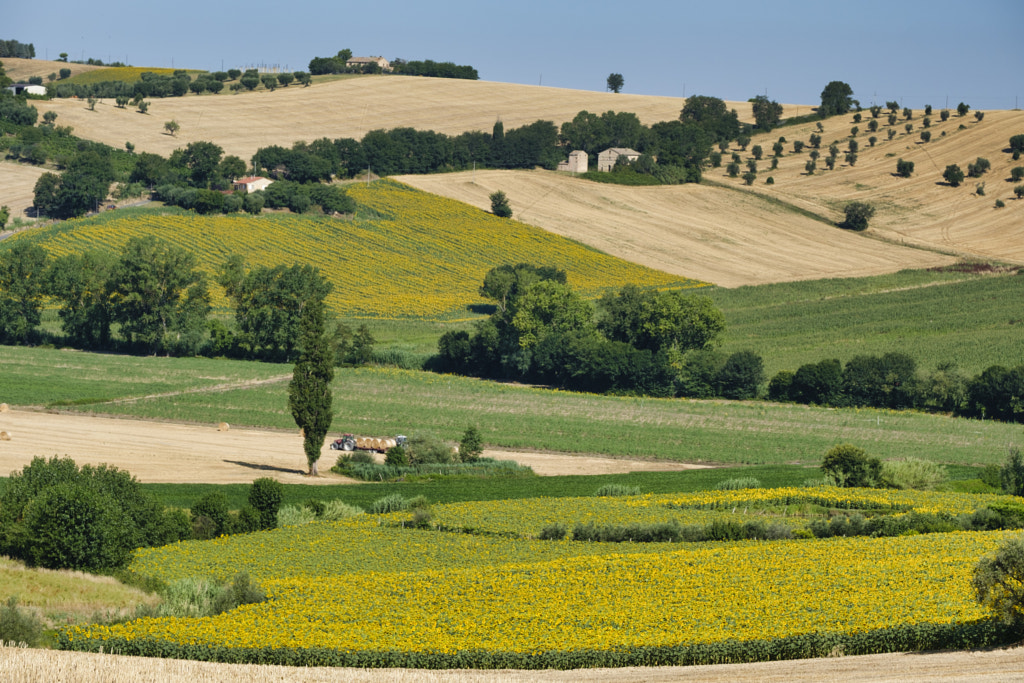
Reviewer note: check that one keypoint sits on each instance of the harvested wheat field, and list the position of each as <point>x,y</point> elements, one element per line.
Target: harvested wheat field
<point>921,210</point>
<point>708,233</point>
<point>350,107</point>
<point>164,452</point>
<point>20,70</point>
<point>17,187</point>
<point>25,666</point>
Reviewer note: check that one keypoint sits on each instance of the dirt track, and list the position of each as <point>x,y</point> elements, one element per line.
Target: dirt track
<point>163,452</point>
<point>23,666</point>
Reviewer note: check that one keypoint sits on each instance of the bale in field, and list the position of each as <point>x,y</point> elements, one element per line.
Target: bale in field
<point>223,427</point>
<point>4,407</point>
<point>4,436</point>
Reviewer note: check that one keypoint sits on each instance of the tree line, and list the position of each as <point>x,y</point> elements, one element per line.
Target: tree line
<point>637,341</point>
<point>338,64</point>
<point>894,381</point>
<point>151,298</point>
<point>13,48</point>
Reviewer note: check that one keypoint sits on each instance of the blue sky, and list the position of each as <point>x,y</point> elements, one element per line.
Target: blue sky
<point>915,52</point>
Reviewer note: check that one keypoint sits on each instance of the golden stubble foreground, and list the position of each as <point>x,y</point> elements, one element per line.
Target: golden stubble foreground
<point>28,666</point>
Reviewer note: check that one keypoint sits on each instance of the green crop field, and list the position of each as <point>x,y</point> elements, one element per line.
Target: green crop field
<point>388,400</point>
<point>973,321</point>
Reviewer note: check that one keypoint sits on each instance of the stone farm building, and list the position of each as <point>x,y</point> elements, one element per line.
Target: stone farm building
<point>577,162</point>
<point>384,64</point>
<point>252,184</point>
<point>606,159</point>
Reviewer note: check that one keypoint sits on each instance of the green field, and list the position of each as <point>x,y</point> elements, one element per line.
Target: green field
<point>973,321</point>
<point>391,401</point>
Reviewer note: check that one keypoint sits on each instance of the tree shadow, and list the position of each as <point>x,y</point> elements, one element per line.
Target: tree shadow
<point>265,468</point>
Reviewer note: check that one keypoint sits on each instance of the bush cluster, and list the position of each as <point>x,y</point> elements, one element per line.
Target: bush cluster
<point>55,515</point>
<point>668,532</point>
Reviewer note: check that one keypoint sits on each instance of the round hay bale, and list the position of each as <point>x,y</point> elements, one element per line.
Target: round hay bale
<point>390,443</point>
<point>4,407</point>
<point>223,427</point>
<point>363,442</point>
<point>4,436</point>
<point>377,444</point>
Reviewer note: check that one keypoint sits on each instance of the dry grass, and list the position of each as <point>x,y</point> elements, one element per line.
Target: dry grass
<point>919,210</point>
<point>67,596</point>
<point>242,123</point>
<point>711,234</point>
<point>28,666</point>
<point>17,187</point>
<point>20,69</point>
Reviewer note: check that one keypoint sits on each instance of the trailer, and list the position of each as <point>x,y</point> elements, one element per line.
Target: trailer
<point>351,442</point>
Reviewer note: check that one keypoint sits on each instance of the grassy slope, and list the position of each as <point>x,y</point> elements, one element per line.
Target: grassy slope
<point>389,401</point>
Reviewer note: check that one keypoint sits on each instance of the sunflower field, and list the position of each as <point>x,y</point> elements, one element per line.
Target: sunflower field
<point>407,254</point>
<point>127,74</point>
<point>372,591</point>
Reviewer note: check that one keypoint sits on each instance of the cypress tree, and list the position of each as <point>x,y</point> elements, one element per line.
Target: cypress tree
<point>309,393</point>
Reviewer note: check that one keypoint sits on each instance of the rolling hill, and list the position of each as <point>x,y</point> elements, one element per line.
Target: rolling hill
<point>243,122</point>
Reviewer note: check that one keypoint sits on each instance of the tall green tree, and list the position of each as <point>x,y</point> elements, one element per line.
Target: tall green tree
<point>836,98</point>
<point>269,303</point>
<point>711,114</point>
<point>78,282</point>
<point>767,113</point>
<point>22,288</point>
<point>159,297</point>
<point>659,321</point>
<point>309,393</point>
<point>615,82</point>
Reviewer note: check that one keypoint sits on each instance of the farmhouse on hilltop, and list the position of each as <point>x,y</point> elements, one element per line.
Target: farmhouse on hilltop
<point>360,62</point>
<point>606,159</point>
<point>577,162</point>
<point>252,184</point>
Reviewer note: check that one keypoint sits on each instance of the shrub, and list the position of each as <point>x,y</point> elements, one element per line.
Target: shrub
<point>336,509</point>
<point>749,178</point>
<point>249,521</point>
<point>913,473</point>
<point>953,175</point>
<point>738,483</point>
<point>857,215</point>
<point>757,151</point>
<point>242,591</point>
<point>395,502</point>
<point>980,166</point>
<point>214,506</point>
<point>962,109</point>
<point>810,166</point>
<point>999,204</point>
<point>998,582</point>
<point>617,490</point>
<point>769,181</point>
<point>716,159</point>
<point>471,446</point>
<point>872,140</point>
<point>733,169</point>
<point>396,456</point>
<point>188,598</point>
<point>19,626</point>
<point>798,146</point>
<point>499,205</point>
<point>904,169</point>
<point>1011,474</point>
<point>1019,191</point>
<point>979,189</point>
<point>926,136</point>
<point>424,450</point>
<point>944,115</point>
<point>317,506</point>
<point>1017,174</point>
<point>891,134</point>
<point>265,495</point>
<point>850,466</point>
<point>553,532</point>
<point>780,385</point>
<point>294,515</point>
